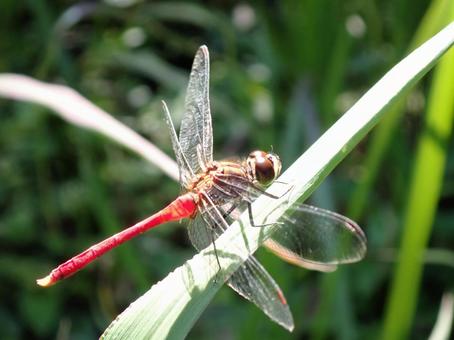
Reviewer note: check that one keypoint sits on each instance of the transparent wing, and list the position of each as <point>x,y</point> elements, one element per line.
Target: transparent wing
<point>196,135</point>
<point>254,283</point>
<point>316,238</point>
<point>306,236</point>
<point>186,172</point>
<point>251,280</point>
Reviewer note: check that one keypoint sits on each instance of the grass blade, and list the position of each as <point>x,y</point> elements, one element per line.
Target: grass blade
<point>434,19</point>
<point>74,108</point>
<point>424,194</point>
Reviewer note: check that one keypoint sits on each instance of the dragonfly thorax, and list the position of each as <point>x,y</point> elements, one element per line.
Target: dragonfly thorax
<point>263,167</point>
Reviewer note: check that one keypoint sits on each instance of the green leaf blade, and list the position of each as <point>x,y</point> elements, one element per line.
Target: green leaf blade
<point>425,188</point>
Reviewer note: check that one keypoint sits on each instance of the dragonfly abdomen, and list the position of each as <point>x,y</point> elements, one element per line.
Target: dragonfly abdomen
<point>184,206</point>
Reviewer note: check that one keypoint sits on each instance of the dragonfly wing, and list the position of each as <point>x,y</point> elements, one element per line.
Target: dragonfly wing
<point>254,283</point>
<point>290,256</point>
<point>207,225</point>
<point>196,135</point>
<point>198,232</point>
<point>316,238</point>
<point>186,172</point>
<point>251,280</point>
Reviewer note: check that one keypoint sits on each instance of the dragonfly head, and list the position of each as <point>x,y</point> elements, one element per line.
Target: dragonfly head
<point>263,167</point>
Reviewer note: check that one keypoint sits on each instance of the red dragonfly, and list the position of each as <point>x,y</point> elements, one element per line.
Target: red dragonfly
<point>216,192</point>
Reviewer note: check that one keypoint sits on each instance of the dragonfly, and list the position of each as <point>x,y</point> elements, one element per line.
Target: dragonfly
<point>216,192</point>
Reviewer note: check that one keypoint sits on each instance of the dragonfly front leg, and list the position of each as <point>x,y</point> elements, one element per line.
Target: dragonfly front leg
<point>243,186</point>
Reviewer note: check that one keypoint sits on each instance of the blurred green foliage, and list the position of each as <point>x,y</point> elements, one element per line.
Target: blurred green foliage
<point>281,73</point>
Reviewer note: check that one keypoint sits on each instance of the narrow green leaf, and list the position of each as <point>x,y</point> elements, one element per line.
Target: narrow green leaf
<point>424,194</point>
<point>434,19</point>
<point>172,306</point>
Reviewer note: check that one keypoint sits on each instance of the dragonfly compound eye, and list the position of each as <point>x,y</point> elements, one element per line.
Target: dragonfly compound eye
<point>277,164</point>
<point>265,167</point>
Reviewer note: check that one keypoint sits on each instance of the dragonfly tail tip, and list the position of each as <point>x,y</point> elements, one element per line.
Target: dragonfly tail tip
<point>46,281</point>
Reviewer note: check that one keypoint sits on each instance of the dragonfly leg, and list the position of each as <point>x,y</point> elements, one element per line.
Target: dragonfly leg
<point>271,195</point>
<point>216,255</point>
<point>251,218</point>
<point>241,186</point>
<point>280,182</point>
<point>212,230</point>
<point>228,212</point>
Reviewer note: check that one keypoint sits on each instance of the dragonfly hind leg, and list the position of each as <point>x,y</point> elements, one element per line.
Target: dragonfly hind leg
<point>216,255</point>
<point>212,231</point>
<point>251,218</point>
